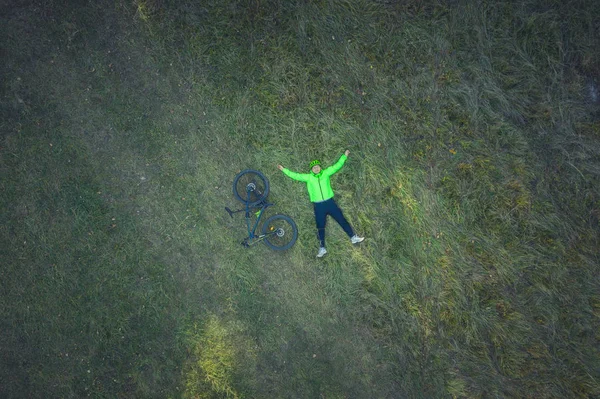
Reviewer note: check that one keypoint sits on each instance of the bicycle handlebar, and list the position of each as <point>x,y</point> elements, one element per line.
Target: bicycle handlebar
<point>263,205</point>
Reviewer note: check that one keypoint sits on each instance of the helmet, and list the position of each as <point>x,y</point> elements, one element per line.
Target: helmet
<point>315,162</point>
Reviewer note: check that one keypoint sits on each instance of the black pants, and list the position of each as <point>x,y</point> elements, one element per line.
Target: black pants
<point>329,207</point>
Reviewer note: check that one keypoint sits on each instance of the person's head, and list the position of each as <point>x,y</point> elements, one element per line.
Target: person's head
<point>315,166</point>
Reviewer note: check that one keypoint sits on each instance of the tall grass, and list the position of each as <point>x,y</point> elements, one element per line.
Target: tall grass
<point>473,174</point>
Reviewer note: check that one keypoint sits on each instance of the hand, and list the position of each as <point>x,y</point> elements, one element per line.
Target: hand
<point>347,152</point>
<point>280,167</point>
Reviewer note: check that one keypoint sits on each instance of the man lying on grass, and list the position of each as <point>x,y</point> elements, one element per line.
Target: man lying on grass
<point>321,195</point>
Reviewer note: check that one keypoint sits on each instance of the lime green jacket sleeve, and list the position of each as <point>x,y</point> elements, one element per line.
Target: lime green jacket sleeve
<point>335,167</point>
<point>296,176</point>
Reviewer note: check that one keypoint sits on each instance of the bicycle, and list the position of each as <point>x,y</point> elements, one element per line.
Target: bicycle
<point>279,232</point>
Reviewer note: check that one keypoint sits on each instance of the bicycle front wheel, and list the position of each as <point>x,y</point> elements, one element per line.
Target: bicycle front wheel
<point>250,186</point>
<point>281,232</point>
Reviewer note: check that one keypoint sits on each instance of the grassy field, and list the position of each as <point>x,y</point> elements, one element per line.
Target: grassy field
<point>474,173</point>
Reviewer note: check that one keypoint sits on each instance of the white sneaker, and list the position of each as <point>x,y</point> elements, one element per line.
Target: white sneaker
<point>356,239</point>
<point>322,252</point>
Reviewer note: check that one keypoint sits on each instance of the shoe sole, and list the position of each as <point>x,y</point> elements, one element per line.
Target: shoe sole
<point>357,242</point>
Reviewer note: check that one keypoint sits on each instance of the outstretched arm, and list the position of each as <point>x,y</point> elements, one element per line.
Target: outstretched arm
<point>293,175</point>
<point>338,165</point>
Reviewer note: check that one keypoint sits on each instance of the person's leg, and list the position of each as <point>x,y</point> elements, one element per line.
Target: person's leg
<point>321,220</point>
<point>337,214</point>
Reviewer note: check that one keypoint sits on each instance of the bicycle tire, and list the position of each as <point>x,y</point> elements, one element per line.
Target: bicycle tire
<point>250,176</point>
<point>273,240</point>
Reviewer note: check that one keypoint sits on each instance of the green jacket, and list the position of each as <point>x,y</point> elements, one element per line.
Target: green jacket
<point>319,186</point>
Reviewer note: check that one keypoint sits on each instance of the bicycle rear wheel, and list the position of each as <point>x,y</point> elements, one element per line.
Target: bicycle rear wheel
<point>250,186</point>
<point>281,232</point>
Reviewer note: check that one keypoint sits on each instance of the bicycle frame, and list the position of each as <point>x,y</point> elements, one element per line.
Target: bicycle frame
<point>252,237</point>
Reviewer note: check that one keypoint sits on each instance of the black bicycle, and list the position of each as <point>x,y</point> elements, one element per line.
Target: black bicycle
<point>279,232</point>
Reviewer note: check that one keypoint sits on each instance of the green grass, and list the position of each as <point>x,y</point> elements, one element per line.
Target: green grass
<point>473,174</point>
